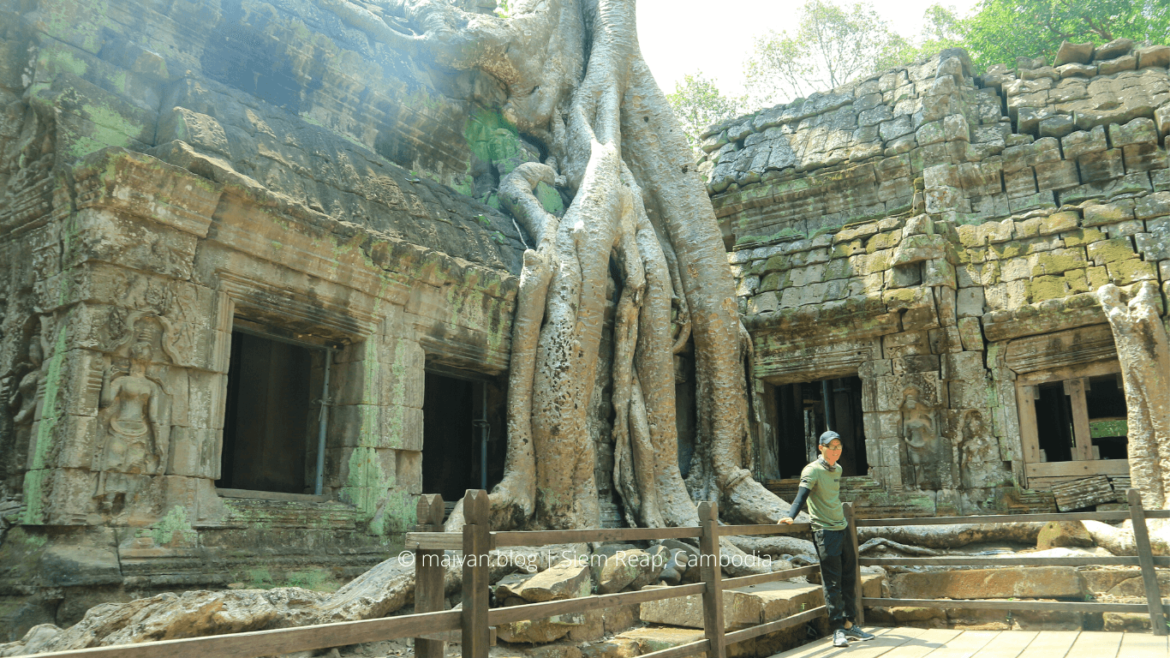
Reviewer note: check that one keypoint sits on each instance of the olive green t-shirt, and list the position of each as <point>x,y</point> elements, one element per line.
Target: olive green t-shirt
<point>824,495</point>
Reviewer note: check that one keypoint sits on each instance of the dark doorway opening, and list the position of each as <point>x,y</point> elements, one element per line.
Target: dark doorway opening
<point>266,420</point>
<point>1054,427</point>
<point>451,438</point>
<point>802,419</point>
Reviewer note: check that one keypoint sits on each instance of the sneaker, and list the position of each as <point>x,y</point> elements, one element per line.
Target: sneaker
<point>854,632</point>
<point>839,638</point>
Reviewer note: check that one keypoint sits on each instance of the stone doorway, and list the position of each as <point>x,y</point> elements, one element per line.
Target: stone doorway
<point>267,416</point>
<point>802,415</point>
<point>459,414</point>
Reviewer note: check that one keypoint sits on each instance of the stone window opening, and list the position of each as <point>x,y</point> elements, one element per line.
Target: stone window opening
<point>462,412</point>
<point>271,415</point>
<point>803,415</point>
<point>1073,422</point>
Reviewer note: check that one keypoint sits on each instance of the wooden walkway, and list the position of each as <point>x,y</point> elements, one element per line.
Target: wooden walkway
<point>946,643</point>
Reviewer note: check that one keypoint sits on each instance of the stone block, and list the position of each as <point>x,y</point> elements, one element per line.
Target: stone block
<point>1111,251</point>
<point>1084,142</point>
<point>981,179</point>
<point>1041,200</point>
<point>1029,119</point>
<point>971,334</point>
<point>1144,157</point>
<point>1123,273</point>
<point>956,128</point>
<point>1075,70</point>
<point>1114,49</point>
<point>408,471</point>
<point>943,199</point>
<point>1160,180</point>
<point>1128,227</point>
<point>1073,53</point>
<point>1162,121</point>
<point>939,272</point>
<point>1138,131</point>
<point>945,340</point>
<point>1059,222</point>
<point>970,302</point>
<point>1099,214</point>
<point>742,607</point>
<point>895,128</point>
<point>766,302</point>
<point>747,286</point>
<point>1112,66</point>
<point>930,133</point>
<point>1058,175</point>
<point>1056,126</point>
<point>944,175</point>
<point>401,428</point>
<point>1019,182</point>
<point>1153,56</point>
<point>1101,166</point>
<point>991,206</point>
<point>1018,582</point>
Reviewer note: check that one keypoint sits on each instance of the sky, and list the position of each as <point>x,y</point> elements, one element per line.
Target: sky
<point>716,36</point>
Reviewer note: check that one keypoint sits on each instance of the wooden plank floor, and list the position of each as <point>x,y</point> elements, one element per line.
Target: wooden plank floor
<point>946,643</point>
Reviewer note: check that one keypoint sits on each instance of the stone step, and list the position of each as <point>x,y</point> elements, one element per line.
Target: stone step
<point>749,606</point>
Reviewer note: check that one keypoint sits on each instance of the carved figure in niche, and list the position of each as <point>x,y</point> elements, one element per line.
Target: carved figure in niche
<point>135,417</point>
<point>974,446</point>
<point>23,401</point>
<point>922,440</point>
<point>1142,350</point>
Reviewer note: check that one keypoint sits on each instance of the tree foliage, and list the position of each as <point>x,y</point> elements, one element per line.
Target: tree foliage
<point>698,103</point>
<point>1001,30</point>
<point>832,45</point>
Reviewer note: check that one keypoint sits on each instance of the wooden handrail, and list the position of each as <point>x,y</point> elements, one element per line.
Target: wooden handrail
<point>1120,560</point>
<point>475,619</point>
<point>1004,604</point>
<point>760,579</point>
<point>516,613</point>
<point>279,642</point>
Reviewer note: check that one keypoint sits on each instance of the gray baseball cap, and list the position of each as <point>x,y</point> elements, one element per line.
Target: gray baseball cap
<point>827,437</point>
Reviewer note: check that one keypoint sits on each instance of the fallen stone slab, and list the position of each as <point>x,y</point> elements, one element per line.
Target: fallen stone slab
<point>1021,582</point>
<point>567,580</point>
<point>749,606</point>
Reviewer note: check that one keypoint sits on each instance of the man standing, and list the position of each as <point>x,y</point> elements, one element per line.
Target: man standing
<point>820,486</point>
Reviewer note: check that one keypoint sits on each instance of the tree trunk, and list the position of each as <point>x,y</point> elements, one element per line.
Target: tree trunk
<point>1145,369</point>
<point>577,84</point>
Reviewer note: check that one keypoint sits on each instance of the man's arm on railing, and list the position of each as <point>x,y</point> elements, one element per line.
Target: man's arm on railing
<point>797,505</point>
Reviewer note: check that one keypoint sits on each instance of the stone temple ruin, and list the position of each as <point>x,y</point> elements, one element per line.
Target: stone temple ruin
<point>256,291</point>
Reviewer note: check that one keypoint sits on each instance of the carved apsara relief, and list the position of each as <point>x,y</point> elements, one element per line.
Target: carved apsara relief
<point>134,416</point>
<point>928,451</point>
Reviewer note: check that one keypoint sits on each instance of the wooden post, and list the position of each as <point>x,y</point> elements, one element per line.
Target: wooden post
<point>476,546</point>
<point>712,575</point>
<point>1075,390</point>
<point>852,539</point>
<point>1141,537</point>
<point>428,573</point>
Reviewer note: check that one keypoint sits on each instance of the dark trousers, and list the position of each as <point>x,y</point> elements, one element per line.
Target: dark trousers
<point>838,574</point>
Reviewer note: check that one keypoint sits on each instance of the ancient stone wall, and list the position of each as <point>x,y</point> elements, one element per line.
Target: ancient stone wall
<point>941,235</point>
<point>171,171</point>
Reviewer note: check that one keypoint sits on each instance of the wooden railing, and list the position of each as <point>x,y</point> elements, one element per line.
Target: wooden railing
<point>1145,559</point>
<point>477,541</point>
<point>431,626</point>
